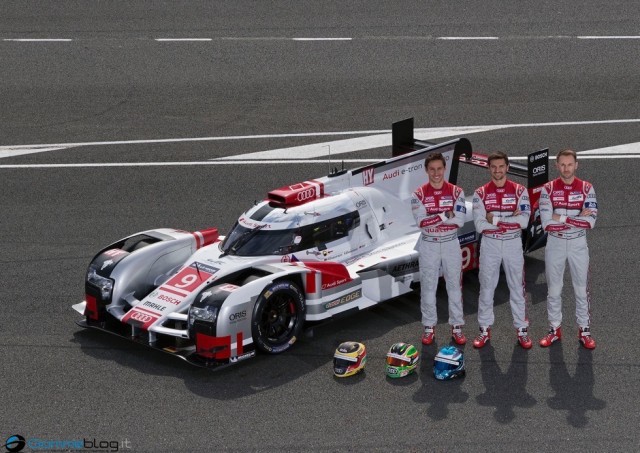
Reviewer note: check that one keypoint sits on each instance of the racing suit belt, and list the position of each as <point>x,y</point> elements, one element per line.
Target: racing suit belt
<point>512,234</point>
<point>443,238</point>
<point>571,234</point>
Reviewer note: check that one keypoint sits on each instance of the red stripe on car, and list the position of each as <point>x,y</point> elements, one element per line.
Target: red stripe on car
<point>91,309</point>
<point>332,274</point>
<point>213,347</point>
<point>239,345</point>
<point>177,292</point>
<point>311,282</point>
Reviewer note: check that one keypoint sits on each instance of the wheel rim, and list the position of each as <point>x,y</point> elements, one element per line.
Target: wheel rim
<point>279,318</point>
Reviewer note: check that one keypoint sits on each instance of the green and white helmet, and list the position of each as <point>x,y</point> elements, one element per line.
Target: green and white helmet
<point>402,360</point>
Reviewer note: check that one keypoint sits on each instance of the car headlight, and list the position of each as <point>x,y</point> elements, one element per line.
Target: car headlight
<point>207,314</point>
<point>104,284</point>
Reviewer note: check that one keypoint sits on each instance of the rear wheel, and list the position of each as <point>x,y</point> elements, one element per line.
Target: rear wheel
<point>278,317</point>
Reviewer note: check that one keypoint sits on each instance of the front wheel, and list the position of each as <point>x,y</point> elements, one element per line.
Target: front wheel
<point>278,317</point>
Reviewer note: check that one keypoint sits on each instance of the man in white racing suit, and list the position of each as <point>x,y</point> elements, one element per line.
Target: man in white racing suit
<point>568,208</point>
<point>439,209</point>
<point>501,209</point>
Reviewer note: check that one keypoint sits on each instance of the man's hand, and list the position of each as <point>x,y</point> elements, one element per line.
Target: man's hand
<point>490,217</point>
<point>585,212</point>
<point>449,214</point>
<point>556,217</point>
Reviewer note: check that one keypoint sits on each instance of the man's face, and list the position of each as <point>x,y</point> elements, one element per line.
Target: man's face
<point>435,170</point>
<point>567,167</point>
<point>498,169</point>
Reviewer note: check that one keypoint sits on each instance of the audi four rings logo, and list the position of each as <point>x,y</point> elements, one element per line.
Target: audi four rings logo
<point>306,194</point>
<point>141,317</point>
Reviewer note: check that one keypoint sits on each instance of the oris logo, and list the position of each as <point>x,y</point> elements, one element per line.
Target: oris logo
<point>238,316</point>
<point>141,317</point>
<point>306,194</point>
<point>539,169</point>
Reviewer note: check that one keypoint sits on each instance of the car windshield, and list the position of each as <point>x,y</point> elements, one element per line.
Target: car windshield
<point>261,240</point>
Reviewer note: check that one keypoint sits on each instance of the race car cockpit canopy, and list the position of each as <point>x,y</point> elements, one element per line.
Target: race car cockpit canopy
<point>270,230</point>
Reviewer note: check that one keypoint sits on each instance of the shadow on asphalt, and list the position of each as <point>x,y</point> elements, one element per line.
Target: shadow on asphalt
<point>263,372</point>
<point>504,390</point>
<point>438,394</point>
<point>574,394</point>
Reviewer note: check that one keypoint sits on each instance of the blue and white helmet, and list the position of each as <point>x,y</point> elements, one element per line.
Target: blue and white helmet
<point>448,363</point>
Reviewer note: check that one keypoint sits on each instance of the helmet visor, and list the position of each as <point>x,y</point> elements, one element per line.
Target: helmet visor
<point>342,363</point>
<point>397,361</point>
<point>445,364</point>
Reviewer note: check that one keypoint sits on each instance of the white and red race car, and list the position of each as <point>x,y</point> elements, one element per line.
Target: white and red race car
<point>309,252</point>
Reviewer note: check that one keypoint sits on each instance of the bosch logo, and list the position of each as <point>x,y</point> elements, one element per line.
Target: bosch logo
<point>305,195</point>
<point>539,169</point>
<point>537,157</point>
<point>141,317</point>
<point>237,316</point>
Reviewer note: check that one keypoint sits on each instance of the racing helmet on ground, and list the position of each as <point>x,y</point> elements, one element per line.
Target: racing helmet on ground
<point>349,359</point>
<point>448,363</point>
<point>402,360</point>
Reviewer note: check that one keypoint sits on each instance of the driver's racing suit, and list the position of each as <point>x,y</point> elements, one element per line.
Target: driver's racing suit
<point>501,243</point>
<point>567,241</point>
<point>438,245</point>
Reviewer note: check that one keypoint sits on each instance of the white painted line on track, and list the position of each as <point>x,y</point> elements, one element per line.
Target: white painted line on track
<point>353,144</point>
<point>461,129</point>
<point>38,39</point>
<point>195,139</point>
<point>629,148</point>
<point>361,38</point>
<point>378,141</point>
<point>608,37</point>
<point>333,162</point>
<point>467,38</point>
<point>382,138</point>
<point>10,151</point>
<point>182,39</point>
<point>322,39</point>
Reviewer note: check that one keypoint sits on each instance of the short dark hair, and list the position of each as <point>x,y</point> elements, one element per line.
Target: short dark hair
<point>567,152</point>
<point>434,156</point>
<point>498,155</point>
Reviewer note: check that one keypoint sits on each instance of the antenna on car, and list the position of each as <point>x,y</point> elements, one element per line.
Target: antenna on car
<point>329,153</point>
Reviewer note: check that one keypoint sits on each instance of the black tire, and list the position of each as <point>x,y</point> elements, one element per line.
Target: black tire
<point>278,317</point>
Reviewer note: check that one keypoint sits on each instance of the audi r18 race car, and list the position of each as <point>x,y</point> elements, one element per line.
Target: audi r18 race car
<point>309,252</point>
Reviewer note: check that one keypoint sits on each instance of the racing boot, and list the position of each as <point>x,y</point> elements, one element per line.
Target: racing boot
<point>457,335</point>
<point>555,334</point>
<point>483,338</point>
<point>584,335</point>
<point>428,336</point>
<point>524,339</point>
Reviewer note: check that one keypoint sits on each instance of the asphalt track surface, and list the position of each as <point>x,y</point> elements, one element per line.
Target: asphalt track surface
<point>114,81</point>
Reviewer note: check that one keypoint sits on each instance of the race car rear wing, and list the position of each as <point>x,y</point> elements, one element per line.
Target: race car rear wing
<point>536,171</point>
